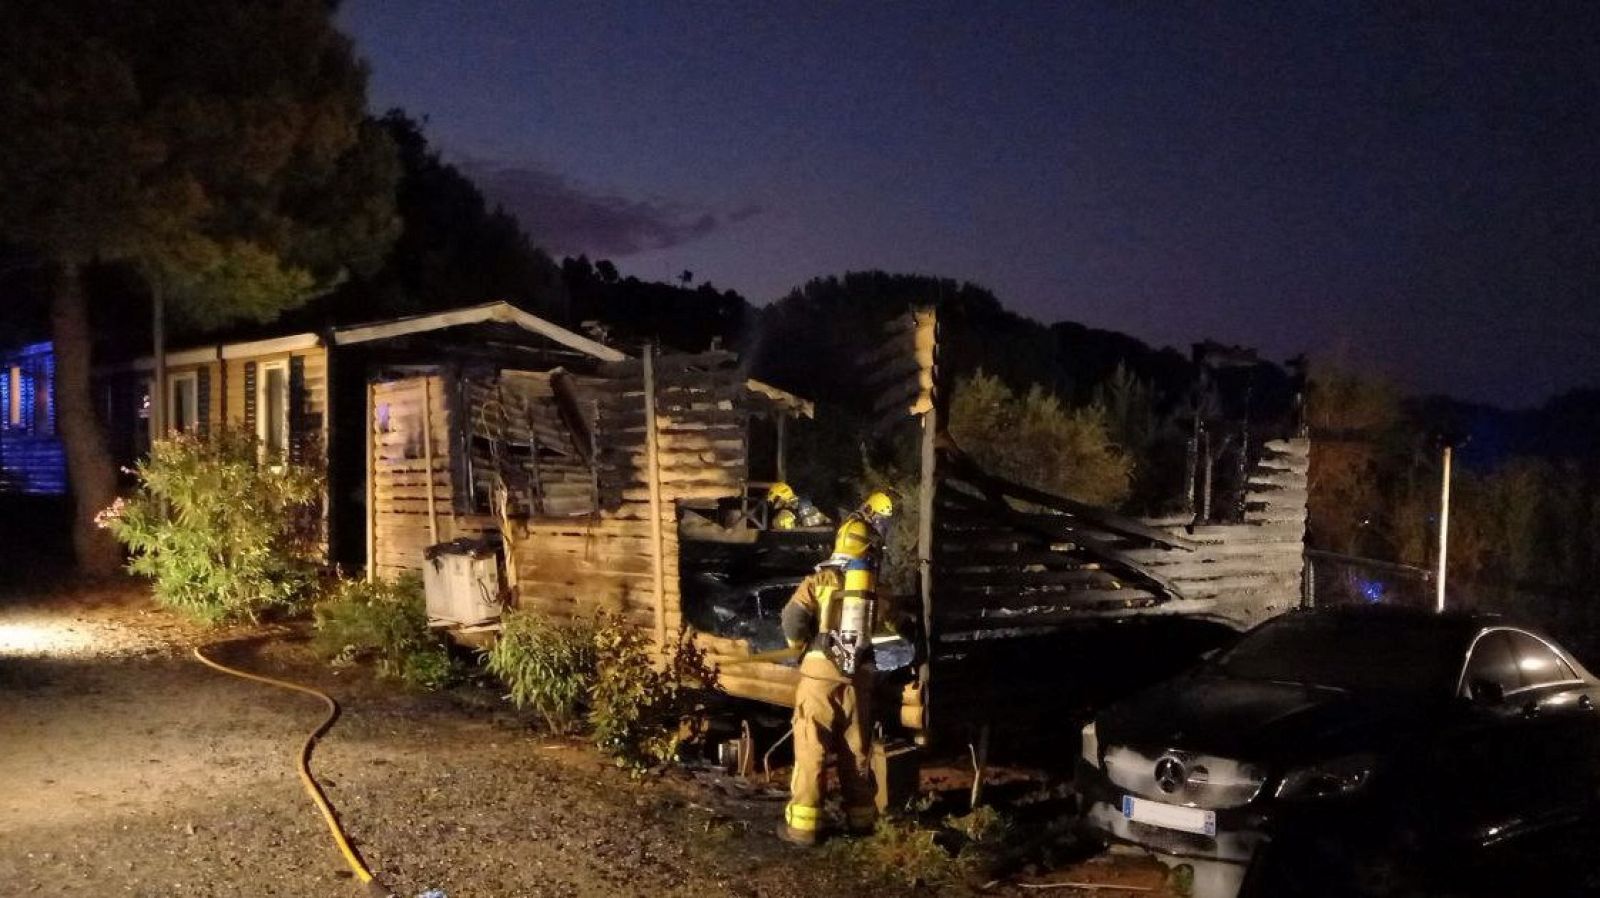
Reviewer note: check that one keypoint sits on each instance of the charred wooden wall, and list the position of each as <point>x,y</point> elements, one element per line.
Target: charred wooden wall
<point>1245,573</point>
<point>404,478</point>
<point>602,555</point>
<point>606,561</point>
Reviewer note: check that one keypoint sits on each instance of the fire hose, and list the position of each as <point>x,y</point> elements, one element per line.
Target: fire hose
<point>351,857</point>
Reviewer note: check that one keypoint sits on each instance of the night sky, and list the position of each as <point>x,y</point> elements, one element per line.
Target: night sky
<point>1413,187</point>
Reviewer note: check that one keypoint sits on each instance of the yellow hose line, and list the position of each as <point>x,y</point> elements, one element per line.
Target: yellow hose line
<point>357,866</point>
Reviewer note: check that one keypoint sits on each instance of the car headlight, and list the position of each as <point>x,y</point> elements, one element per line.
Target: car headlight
<point>1091,744</point>
<point>1326,779</point>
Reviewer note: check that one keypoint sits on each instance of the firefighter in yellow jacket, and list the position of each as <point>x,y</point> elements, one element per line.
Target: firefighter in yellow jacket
<point>831,615</point>
<point>787,510</point>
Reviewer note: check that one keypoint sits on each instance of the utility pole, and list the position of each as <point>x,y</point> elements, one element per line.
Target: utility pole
<point>1444,531</point>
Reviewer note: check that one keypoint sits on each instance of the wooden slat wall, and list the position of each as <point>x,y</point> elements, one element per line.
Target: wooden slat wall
<point>402,480</point>
<point>518,411</point>
<point>604,562</point>
<point>572,566</point>
<point>1245,573</point>
<point>996,575</point>
<point>316,384</point>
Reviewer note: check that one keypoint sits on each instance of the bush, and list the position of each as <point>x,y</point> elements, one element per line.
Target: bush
<point>641,713</point>
<point>959,850</point>
<point>1033,439</point>
<point>223,537</point>
<point>386,623</point>
<point>549,666</point>
<point>604,673</point>
<point>903,851</point>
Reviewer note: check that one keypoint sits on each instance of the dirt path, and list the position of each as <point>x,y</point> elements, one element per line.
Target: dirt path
<point>129,769</point>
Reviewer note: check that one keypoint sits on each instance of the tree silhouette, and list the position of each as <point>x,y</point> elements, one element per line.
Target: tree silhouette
<point>217,147</point>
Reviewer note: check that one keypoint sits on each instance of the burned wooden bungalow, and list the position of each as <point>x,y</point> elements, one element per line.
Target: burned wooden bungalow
<point>501,406</point>
<point>594,476</point>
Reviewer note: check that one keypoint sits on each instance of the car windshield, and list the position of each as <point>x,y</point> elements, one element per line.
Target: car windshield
<point>1365,655</point>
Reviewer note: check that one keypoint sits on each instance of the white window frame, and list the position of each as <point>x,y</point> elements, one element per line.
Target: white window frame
<point>261,404</point>
<point>189,380</point>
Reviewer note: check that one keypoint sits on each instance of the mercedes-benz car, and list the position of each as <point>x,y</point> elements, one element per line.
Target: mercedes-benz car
<point>1340,751</point>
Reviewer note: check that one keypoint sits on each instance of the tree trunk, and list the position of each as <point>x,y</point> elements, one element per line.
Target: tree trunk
<point>90,471</point>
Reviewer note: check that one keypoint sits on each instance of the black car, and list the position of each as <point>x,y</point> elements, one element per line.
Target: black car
<point>1343,751</point>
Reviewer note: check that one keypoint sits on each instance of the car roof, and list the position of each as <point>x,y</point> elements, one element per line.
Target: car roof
<point>1455,623</point>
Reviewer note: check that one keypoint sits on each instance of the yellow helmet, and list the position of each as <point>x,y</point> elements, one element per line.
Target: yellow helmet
<point>780,493</point>
<point>879,504</point>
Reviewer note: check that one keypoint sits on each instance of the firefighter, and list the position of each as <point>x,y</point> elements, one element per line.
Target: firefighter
<point>787,510</point>
<point>831,616</point>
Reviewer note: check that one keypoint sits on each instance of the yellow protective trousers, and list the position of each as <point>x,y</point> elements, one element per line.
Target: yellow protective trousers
<point>832,713</point>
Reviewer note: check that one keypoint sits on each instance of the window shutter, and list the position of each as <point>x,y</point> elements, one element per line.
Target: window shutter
<point>47,382</point>
<point>202,400</point>
<point>250,398</point>
<point>29,374</point>
<point>299,432</point>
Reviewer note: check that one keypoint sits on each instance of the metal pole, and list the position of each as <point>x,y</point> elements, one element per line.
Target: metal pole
<point>1444,531</point>
<point>158,365</point>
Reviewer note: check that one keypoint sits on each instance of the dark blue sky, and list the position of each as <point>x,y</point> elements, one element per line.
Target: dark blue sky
<point>1415,187</point>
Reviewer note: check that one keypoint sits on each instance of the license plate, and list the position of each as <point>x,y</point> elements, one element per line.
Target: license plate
<point>1170,816</point>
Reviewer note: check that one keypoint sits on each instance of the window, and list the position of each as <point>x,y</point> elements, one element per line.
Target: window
<point>1493,662</point>
<point>272,409</point>
<point>183,402</point>
<point>1540,666</point>
<point>14,396</point>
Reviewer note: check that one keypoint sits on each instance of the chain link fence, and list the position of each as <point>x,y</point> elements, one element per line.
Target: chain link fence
<point>1332,579</point>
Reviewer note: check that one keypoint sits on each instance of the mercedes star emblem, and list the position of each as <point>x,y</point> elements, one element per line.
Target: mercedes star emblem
<point>1170,774</point>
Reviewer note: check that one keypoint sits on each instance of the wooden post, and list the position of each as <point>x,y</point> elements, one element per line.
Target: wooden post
<point>372,484</point>
<point>427,455</point>
<point>926,488</point>
<point>980,763</point>
<point>783,467</point>
<point>653,467</point>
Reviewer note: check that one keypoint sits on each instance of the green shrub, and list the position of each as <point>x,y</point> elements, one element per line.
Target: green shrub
<point>548,665</point>
<point>642,712</point>
<point>604,673</point>
<point>901,850</point>
<point>959,850</point>
<point>386,623</point>
<point>223,537</point>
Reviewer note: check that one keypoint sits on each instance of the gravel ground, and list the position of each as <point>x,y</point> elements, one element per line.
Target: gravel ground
<point>130,769</point>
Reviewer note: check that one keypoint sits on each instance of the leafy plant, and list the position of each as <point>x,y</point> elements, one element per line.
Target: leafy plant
<point>548,665</point>
<point>1032,438</point>
<point>642,712</point>
<point>385,622</point>
<point>223,537</point>
<point>958,850</point>
<point>902,850</point>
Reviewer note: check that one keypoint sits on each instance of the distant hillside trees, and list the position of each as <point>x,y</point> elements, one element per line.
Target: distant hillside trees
<point>1031,438</point>
<point>1528,518</point>
<point>688,319</point>
<point>453,248</point>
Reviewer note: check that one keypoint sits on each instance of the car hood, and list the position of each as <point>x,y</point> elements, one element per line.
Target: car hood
<point>1255,720</point>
